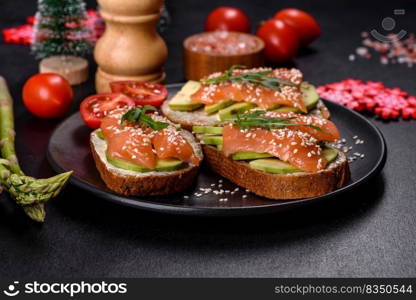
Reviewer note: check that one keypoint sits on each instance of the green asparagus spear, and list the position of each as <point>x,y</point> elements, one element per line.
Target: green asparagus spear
<point>29,192</point>
<point>35,211</point>
<point>7,132</point>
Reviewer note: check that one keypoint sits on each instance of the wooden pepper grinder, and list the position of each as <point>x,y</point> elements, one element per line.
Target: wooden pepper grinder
<point>131,48</point>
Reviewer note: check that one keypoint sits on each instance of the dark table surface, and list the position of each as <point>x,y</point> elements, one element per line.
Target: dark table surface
<point>367,232</point>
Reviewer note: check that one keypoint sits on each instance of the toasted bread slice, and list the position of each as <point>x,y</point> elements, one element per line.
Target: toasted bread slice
<point>187,119</point>
<point>129,183</point>
<point>279,186</point>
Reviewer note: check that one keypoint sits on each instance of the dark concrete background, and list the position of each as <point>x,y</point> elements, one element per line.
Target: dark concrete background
<point>368,232</point>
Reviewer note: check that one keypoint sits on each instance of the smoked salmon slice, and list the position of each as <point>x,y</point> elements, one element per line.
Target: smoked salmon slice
<point>132,146</point>
<point>111,123</point>
<point>139,144</point>
<point>296,147</point>
<point>169,143</point>
<point>328,133</point>
<point>263,97</point>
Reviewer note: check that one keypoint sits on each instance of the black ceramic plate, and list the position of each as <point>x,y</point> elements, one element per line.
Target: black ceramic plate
<point>69,150</point>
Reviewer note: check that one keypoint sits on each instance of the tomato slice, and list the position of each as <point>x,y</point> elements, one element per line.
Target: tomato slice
<point>143,93</point>
<point>96,107</point>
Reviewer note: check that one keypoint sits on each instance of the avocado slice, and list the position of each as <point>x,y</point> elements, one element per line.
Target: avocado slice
<point>99,134</point>
<point>122,164</point>
<point>249,155</point>
<point>169,164</point>
<point>211,109</point>
<point>182,100</point>
<point>310,96</point>
<point>273,165</point>
<point>212,140</point>
<point>330,154</point>
<point>274,107</point>
<point>287,109</point>
<point>185,106</point>
<point>162,165</point>
<point>207,129</point>
<point>234,109</point>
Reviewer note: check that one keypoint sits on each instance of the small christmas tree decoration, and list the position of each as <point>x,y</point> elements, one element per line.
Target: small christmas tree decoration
<point>60,36</point>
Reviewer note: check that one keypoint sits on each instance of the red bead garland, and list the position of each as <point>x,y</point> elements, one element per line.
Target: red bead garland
<point>388,103</point>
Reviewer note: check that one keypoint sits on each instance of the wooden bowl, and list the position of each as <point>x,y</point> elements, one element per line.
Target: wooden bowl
<point>200,63</point>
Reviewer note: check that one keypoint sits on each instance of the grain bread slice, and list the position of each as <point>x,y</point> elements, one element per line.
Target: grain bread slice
<point>279,186</point>
<point>127,183</point>
<point>187,119</point>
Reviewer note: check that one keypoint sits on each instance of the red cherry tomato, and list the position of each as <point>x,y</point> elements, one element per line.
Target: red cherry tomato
<point>96,107</point>
<point>281,40</point>
<point>228,19</point>
<point>304,24</point>
<point>143,93</point>
<point>47,95</point>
